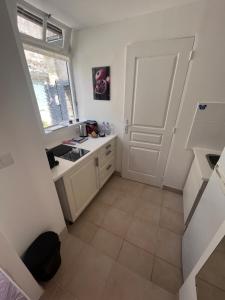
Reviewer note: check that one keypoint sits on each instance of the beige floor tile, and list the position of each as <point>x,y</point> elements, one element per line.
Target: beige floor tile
<point>173,201</point>
<point>56,292</point>
<point>126,202</point>
<point>132,188</point>
<point>107,242</point>
<point>71,250</point>
<point>123,284</point>
<point>117,222</point>
<point>115,183</point>
<point>206,291</point>
<point>83,230</point>
<point>169,247</point>
<point>152,194</point>
<point>214,270</point>
<point>172,220</point>
<point>92,270</point>
<point>95,212</point>
<point>158,293</point>
<point>166,276</point>
<point>107,195</point>
<point>125,185</point>
<point>136,259</point>
<point>221,246</point>
<point>148,212</point>
<point>143,235</point>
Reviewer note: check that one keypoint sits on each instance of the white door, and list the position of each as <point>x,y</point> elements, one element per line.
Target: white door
<point>155,78</point>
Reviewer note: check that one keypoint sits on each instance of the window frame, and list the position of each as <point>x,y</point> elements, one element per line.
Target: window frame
<point>41,46</point>
<point>68,59</point>
<point>47,18</point>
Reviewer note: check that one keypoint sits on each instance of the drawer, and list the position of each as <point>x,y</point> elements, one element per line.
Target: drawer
<point>106,171</point>
<point>106,153</point>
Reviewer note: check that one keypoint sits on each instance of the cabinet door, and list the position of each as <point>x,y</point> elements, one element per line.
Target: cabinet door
<point>81,186</point>
<point>192,187</point>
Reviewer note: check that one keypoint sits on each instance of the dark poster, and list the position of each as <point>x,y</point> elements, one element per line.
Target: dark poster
<point>101,83</point>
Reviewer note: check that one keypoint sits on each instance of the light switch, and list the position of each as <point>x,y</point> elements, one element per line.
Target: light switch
<point>6,160</point>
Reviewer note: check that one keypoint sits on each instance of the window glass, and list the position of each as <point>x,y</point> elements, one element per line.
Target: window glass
<point>29,24</point>
<point>54,35</point>
<point>52,88</point>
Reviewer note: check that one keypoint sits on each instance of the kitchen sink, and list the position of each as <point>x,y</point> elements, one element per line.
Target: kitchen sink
<point>212,159</point>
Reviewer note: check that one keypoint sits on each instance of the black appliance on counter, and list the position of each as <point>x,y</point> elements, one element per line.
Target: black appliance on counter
<point>68,152</point>
<point>51,159</point>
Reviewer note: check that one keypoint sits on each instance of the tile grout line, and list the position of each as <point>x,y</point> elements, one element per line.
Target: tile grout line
<point>211,284</point>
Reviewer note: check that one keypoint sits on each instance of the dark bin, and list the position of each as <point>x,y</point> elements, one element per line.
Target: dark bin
<point>43,258</point>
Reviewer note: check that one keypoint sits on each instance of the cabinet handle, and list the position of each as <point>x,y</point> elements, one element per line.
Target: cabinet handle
<point>96,162</point>
<point>108,146</point>
<point>108,152</point>
<point>109,166</point>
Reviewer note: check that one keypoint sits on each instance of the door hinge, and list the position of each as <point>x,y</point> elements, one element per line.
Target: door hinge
<point>174,130</point>
<point>191,55</point>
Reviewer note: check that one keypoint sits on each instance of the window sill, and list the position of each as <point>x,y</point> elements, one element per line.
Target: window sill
<point>58,127</point>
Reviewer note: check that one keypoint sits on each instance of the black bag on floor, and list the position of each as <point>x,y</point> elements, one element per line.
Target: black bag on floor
<point>43,258</point>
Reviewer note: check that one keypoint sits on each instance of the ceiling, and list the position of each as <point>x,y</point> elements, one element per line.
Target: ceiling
<point>88,13</point>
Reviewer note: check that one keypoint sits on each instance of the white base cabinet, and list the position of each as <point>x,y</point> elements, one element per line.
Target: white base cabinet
<point>193,190</point>
<point>80,185</point>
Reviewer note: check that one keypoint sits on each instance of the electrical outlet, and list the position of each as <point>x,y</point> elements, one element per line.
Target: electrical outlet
<point>6,160</point>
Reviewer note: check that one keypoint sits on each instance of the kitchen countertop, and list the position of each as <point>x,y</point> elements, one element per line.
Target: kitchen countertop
<point>200,154</point>
<point>92,145</point>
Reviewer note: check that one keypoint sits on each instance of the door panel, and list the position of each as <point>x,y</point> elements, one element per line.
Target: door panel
<point>155,78</point>
<point>154,70</point>
<point>143,160</point>
<point>146,138</point>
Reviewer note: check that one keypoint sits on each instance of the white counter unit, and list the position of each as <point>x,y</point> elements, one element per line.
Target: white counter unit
<point>78,182</point>
<point>200,154</point>
<point>196,182</point>
<point>92,145</point>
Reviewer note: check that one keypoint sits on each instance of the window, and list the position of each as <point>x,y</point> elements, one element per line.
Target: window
<point>32,24</point>
<point>54,35</point>
<point>52,88</point>
<point>47,43</point>
<point>29,23</point>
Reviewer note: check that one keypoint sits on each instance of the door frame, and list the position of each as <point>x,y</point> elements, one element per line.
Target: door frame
<point>126,124</point>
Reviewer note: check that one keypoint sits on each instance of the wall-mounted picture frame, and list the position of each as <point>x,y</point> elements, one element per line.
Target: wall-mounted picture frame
<point>101,83</point>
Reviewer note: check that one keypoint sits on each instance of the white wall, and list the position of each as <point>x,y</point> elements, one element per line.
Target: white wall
<point>106,45</point>
<point>11,263</point>
<point>29,203</point>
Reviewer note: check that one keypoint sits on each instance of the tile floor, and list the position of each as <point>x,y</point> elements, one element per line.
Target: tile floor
<point>126,245</point>
<point>210,279</point>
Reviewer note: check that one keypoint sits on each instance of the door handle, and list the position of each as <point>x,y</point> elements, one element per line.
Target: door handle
<point>96,162</point>
<point>109,166</point>
<point>108,152</point>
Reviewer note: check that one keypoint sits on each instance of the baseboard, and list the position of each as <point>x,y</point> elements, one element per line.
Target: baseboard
<point>171,189</point>
<point>117,173</point>
<point>63,234</point>
<point>164,187</point>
